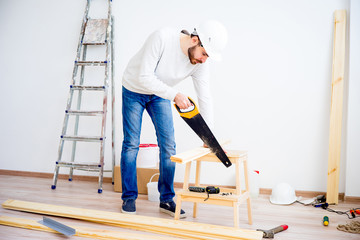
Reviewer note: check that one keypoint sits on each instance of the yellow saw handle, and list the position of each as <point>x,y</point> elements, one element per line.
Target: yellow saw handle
<point>193,111</point>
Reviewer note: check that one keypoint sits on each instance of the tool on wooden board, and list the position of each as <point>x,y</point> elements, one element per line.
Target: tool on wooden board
<point>270,233</point>
<point>193,118</point>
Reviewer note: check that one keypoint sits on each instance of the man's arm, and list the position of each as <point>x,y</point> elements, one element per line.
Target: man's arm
<point>201,80</point>
<point>151,55</point>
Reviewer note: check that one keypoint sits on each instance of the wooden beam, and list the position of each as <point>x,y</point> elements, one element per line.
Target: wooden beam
<point>80,231</point>
<point>143,223</point>
<point>336,107</point>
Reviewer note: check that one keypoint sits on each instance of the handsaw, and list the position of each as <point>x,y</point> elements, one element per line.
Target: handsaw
<point>194,119</point>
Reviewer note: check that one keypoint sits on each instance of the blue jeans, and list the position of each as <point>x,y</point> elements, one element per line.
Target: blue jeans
<point>159,109</point>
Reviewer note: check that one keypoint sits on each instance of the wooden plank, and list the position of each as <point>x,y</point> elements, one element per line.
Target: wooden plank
<point>143,223</point>
<point>80,231</point>
<point>336,107</point>
<point>233,155</point>
<point>193,154</point>
<point>190,155</point>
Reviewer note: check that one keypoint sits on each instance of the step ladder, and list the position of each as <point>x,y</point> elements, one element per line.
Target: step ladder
<point>93,32</point>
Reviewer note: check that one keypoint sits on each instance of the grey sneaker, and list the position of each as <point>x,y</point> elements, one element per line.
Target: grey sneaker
<point>129,206</point>
<point>169,208</point>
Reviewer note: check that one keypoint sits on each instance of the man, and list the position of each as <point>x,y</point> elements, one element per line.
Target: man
<point>166,58</point>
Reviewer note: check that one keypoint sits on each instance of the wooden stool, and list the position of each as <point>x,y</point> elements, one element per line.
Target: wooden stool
<point>232,198</point>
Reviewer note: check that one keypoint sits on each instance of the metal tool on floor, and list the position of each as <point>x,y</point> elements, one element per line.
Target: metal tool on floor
<point>193,118</point>
<point>59,227</point>
<point>94,33</point>
<point>270,233</point>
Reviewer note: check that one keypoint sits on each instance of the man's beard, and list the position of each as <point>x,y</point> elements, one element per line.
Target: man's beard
<point>192,59</point>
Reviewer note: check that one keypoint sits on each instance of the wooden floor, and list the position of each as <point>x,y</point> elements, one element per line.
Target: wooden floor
<point>305,222</point>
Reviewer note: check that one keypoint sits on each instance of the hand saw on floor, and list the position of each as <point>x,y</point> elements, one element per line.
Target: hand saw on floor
<point>193,118</point>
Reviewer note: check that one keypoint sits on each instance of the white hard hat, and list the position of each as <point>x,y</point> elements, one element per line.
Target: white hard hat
<point>213,36</point>
<point>283,194</point>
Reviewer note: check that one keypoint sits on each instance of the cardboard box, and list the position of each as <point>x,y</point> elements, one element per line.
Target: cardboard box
<point>143,177</point>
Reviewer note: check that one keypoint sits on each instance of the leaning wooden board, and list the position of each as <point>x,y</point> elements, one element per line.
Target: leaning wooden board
<point>143,223</point>
<point>337,84</point>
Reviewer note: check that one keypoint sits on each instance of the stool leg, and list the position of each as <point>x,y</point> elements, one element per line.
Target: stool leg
<point>236,214</point>
<point>237,174</point>
<point>249,210</point>
<point>197,183</point>
<point>248,191</point>
<point>195,210</point>
<point>178,208</point>
<point>187,176</point>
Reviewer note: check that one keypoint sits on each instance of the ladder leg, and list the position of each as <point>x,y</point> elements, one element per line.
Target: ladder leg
<point>102,149</point>
<point>56,173</point>
<point>77,118</point>
<point>113,98</point>
<point>60,150</point>
<point>101,172</point>
<point>105,101</point>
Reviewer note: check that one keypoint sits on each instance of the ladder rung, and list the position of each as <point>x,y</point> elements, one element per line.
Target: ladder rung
<point>99,43</point>
<point>91,63</point>
<point>82,138</point>
<point>91,170</point>
<point>94,88</point>
<point>91,165</point>
<point>84,113</point>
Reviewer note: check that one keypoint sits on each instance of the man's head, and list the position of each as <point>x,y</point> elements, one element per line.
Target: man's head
<point>196,52</point>
<point>212,39</point>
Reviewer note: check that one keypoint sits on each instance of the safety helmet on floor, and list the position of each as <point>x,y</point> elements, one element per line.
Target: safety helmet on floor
<point>213,36</point>
<point>283,194</point>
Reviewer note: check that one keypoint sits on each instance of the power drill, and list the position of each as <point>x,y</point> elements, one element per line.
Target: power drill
<point>208,190</point>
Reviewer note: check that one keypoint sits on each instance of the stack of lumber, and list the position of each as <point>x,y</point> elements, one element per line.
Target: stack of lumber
<point>142,223</point>
<point>80,231</point>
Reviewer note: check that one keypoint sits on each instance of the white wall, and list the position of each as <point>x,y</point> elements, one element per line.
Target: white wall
<point>272,91</point>
<point>353,151</point>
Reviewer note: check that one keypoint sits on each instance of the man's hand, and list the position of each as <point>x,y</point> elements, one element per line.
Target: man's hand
<point>182,101</point>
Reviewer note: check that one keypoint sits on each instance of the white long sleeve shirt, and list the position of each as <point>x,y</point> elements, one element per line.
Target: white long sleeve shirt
<point>161,64</point>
